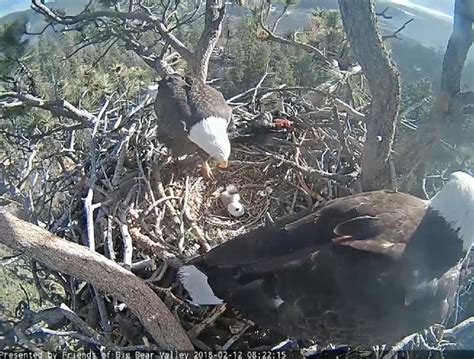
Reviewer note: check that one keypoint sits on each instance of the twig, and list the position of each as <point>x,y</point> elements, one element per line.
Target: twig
<point>396,32</point>
<point>89,209</point>
<point>126,239</point>
<point>342,178</point>
<point>123,146</point>
<point>84,327</point>
<point>259,84</point>
<point>383,13</point>
<point>108,239</point>
<point>342,106</point>
<point>215,314</point>
<point>308,48</point>
<point>153,248</point>
<point>104,317</point>
<point>70,333</point>
<point>238,335</point>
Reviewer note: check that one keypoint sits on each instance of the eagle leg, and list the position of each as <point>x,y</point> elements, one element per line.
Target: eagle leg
<point>206,171</point>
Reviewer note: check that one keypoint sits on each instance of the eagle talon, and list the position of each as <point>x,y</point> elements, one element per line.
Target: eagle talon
<point>206,171</point>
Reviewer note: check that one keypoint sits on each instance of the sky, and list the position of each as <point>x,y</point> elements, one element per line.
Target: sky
<point>8,6</point>
<point>439,8</point>
<point>442,9</point>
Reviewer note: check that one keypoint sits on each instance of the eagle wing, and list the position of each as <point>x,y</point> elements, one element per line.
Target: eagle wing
<point>179,104</point>
<point>336,275</point>
<point>205,101</point>
<point>379,222</point>
<point>171,104</point>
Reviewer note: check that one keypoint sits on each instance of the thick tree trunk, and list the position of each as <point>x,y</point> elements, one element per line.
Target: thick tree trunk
<point>360,24</point>
<point>70,258</point>
<point>215,12</point>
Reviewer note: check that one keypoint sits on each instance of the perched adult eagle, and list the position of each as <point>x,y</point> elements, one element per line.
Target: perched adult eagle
<point>193,116</point>
<point>365,269</point>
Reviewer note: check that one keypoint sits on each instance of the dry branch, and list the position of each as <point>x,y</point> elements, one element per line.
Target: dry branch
<point>394,35</point>
<point>197,58</point>
<point>273,37</point>
<point>106,275</point>
<point>58,107</point>
<point>155,249</point>
<point>344,107</point>
<point>95,15</point>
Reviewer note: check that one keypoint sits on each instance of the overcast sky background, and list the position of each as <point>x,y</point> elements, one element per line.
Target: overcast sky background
<point>438,8</point>
<point>8,6</point>
<point>442,9</point>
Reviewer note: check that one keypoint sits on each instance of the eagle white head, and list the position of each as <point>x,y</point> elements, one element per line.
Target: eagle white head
<point>211,135</point>
<point>455,203</point>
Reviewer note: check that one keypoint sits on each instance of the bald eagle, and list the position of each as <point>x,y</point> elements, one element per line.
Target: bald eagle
<point>365,269</point>
<point>193,117</point>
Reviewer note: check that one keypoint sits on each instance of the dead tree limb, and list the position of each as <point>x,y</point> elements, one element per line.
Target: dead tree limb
<point>383,13</point>
<point>360,24</point>
<point>447,107</point>
<point>90,16</point>
<point>73,259</point>
<point>197,58</point>
<point>273,37</point>
<point>57,107</point>
<point>394,35</point>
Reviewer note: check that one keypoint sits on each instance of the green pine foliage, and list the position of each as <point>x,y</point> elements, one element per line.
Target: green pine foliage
<point>250,55</point>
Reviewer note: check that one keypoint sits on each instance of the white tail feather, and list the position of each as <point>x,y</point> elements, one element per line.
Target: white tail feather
<point>195,282</point>
<point>152,91</point>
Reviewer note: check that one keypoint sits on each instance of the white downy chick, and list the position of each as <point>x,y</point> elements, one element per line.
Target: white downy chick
<point>230,199</point>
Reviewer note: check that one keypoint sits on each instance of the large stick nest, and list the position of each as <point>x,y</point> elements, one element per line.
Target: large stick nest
<point>120,193</point>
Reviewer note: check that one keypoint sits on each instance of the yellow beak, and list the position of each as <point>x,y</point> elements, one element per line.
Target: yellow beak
<point>223,164</point>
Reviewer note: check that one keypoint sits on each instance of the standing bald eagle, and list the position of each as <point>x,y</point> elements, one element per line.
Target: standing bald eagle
<point>193,116</point>
<point>365,269</point>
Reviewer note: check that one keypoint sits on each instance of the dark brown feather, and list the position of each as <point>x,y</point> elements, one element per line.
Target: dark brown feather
<point>342,272</point>
<point>180,103</point>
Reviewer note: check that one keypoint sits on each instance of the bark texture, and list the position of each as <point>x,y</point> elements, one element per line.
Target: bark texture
<point>360,24</point>
<point>199,63</point>
<point>70,258</point>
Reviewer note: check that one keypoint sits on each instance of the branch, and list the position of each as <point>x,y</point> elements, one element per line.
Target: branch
<point>70,258</point>
<point>308,48</point>
<point>383,13</point>
<point>85,17</point>
<point>396,32</point>
<point>58,107</point>
<point>278,19</point>
<point>344,107</point>
<point>198,60</point>
<point>148,56</point>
